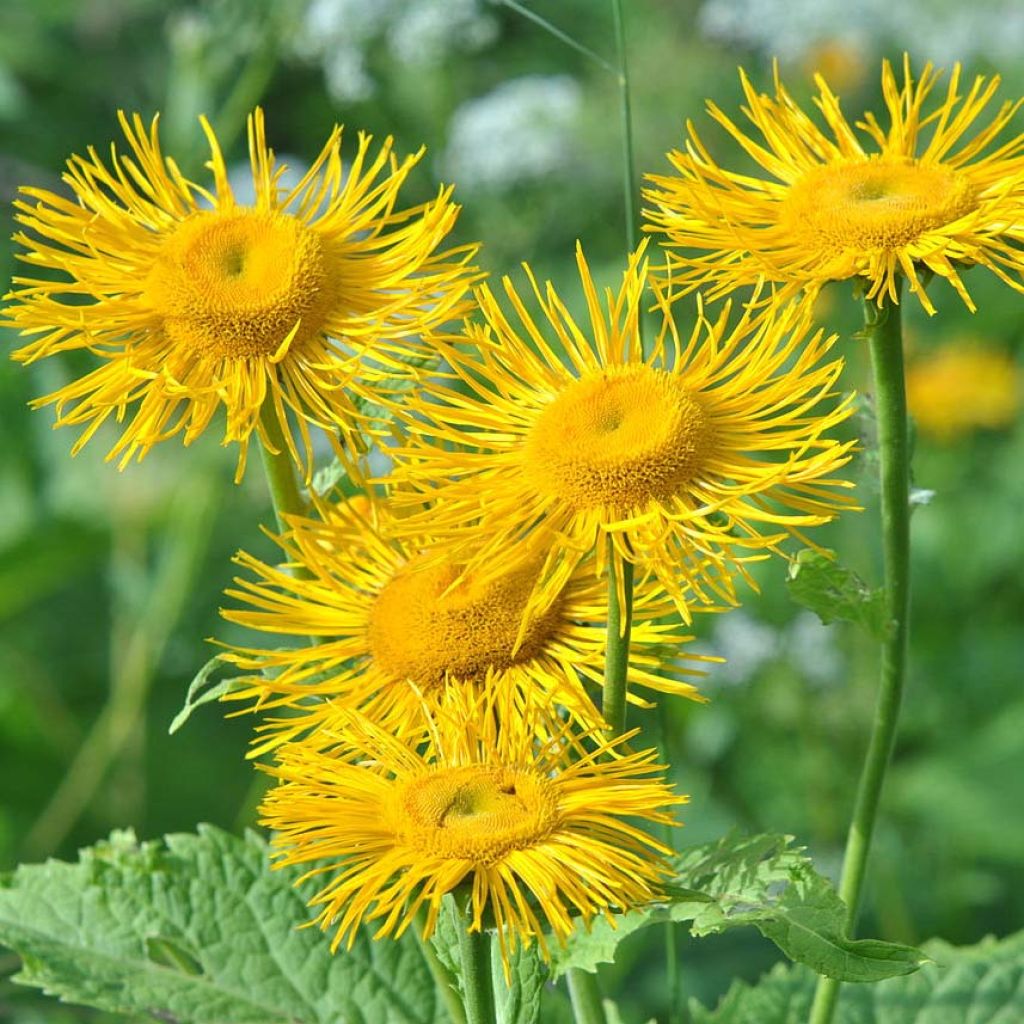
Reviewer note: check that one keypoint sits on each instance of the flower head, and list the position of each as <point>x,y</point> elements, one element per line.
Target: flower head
<point>397,622</point>
<point>960,387</point>
<point>931,191</point>
<point>691,458</point>
<point>538,830</point>
<point>299,304</point>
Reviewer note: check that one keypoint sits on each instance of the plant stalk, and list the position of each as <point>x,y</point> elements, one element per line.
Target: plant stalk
<point>885,340</point>
<point>280,470</point>
<point>477,989</point>
<point>616,659</point>
<point>626,121</point>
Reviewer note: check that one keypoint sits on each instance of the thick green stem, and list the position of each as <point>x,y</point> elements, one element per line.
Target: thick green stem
<point>280,470</point>
<point>616,659</point>
<point>883,329</point>
<point>477,990</point>
<point>587,1005</point>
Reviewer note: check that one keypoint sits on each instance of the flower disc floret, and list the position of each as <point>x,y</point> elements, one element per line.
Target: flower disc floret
<point>241,283</point>
<point>879,204</point>
<point>432,621</point>
<point>622,437</point>
<point>474,812</point>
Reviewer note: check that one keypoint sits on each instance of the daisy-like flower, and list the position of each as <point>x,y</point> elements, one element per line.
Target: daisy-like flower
<point>538,830</point>
<point>691,458</point>
<point>394,627</point>
<point>296,304</point>
<point>961,387</point>
<point>933,190</point>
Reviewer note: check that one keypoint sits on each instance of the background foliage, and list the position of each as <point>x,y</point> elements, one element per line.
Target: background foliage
<point>109,582</point>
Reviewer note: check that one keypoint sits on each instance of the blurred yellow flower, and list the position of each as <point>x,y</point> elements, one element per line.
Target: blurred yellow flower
<point>931,191</point>
<point>394,628</point>
<point>192,301</point>
<point>539,831</point>
<point>690,456</point>
<point>960,387</point>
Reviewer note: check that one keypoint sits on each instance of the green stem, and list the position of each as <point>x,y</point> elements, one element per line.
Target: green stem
<point>626,120</point>
<point>616,659</point>
<point>587,1005</point>
<point>883,330</point>
<point>280,470</point>
<point>477,989</point>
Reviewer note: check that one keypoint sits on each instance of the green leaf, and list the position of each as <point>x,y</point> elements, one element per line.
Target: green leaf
<point>202,691</point>
<point>981,984</point>
<point>817,581</point>
<point>198,929</point>
<point>761,881</point>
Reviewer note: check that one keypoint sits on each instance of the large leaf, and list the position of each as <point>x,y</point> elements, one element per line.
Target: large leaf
<point>198,929</point>
<point>761,881</point>
<point>981,984</point>
<point>819,582</point>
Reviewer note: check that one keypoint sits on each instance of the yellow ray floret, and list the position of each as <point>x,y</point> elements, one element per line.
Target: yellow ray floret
<point>932,191</point>
<point>692,457</point>
<point>539,831</point>
<point>303,302</point>
<point>395,622</point>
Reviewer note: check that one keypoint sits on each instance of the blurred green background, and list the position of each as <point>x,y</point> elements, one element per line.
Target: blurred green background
<point>109,582</point>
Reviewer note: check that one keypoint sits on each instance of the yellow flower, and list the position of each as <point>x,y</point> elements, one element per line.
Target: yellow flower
<point>682,456</point>
<point>394,628</point>
<point>959,387</point>
<point>192,301</point>
<point>930,191</point>
<point>538,831</point>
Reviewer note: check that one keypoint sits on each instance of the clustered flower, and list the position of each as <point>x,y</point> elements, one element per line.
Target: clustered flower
<point>434,726</point>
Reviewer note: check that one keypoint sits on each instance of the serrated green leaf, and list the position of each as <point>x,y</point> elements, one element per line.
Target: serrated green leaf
<point>198,929</point>
<point>981,984</point>
<point>761,881</point>
<point>819,582</point>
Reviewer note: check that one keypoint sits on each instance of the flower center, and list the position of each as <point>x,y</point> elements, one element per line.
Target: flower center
<point>877,204</point>
<point>236,283</point>
<point>474,812</point>
<point>422,628</point>
<point>622,438</point>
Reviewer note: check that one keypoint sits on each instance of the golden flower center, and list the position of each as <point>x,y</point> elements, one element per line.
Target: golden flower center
<point>622,438</point>
<point>236,283</point>
<point>422,627</point>
<point>474,812</point>
<point>878,204</point>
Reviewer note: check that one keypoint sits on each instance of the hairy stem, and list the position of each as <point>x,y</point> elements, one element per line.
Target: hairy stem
<point>884,333</point>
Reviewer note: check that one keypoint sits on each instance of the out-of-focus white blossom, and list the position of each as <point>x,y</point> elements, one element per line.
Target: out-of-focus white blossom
<point>745,643</point>
<point>521,131</point>
<point>942,31</point>
<point>812,647</point>
<point>337,34</point>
